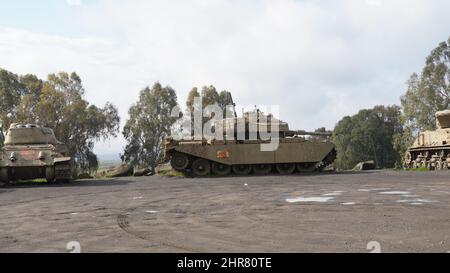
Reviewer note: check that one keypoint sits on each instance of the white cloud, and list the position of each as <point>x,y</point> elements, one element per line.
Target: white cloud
<point>376,3</point>
<point>319,60</point>
<point>73,2</point>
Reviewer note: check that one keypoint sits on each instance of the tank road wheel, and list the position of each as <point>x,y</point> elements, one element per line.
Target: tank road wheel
<point>285,168</point>
<point>262,169</point>
<point>305,167</point>
<point>179,162</point>
<point>50,174</point>
<point>4,178</point>
<point>438,165</point>
<point>4,175</point>
<point>201,167</point>
<point>445,165</point>
<point>242,169</point>
<point>220,169</point>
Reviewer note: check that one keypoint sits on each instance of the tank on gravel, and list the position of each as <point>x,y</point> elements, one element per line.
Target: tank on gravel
<point>431,149</point>
<point>31,152</point>
<point>241,154</point>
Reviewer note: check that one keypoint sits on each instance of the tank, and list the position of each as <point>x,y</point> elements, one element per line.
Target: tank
<point>31,152</point>
<point>297,151</point>
<point>431,149</point>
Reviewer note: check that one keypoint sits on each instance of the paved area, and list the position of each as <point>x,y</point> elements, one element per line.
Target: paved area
<point>336,212</point>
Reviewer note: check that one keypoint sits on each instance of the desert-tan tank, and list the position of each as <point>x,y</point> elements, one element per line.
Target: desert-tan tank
<point>431,149</point>
<point>296,150</point>
<point>30,152</point>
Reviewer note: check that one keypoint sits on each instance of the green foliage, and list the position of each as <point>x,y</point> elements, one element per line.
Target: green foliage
<point>11,90</point>
<point>58,103</point>
<point>191,97</point>
<point>149,123</point>
<point>210,96</point>
<point>402,141</point>
<point>368,135</point>
<point>430,92</point>
<point>425,95</point>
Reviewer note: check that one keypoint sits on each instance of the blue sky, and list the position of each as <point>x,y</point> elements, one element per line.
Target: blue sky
<point>318,60</point>
<point>49,16</point>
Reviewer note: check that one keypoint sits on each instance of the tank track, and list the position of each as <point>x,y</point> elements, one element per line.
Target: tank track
<point>63,173</point>
<point>328,161</point>
<point>432,158</point>
<point>309,167</point>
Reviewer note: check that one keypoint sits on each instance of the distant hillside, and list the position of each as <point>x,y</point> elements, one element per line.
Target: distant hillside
<point>108,160</point>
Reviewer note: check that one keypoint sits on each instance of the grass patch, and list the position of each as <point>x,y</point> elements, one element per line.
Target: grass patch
<point>39,180</point>
<point>421,169</point>
<point>171,173</point>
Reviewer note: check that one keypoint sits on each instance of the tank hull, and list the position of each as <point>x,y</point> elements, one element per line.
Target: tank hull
<point>431,149</point>
<point>291,153</point>
<point>33,162</point>
<point>32,152</point>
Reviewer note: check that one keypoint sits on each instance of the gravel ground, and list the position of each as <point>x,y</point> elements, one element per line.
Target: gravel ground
<point>335,212</point>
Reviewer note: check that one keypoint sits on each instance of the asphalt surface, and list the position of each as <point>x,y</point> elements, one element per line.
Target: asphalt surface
<point>337,212</point>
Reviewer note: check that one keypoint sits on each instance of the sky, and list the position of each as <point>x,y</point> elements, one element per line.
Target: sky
<point>317,60</point>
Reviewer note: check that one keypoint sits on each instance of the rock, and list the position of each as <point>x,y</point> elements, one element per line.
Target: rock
<point>365,166</point>
<point>163,168</point>
<point>85,176</point>
<point>143,172</point>
<point>120,171</point>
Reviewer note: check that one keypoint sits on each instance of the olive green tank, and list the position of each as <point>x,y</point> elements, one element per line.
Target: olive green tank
<point>431,149</point>
<point>240,154</point>
<point>32,152</point>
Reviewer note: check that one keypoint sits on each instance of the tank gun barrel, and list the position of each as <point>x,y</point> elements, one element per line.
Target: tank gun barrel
<point>305,133</point>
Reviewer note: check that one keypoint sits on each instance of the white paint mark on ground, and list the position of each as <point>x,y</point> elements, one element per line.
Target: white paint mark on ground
<point>151,211</point>
<point>309,199</point>
<point>138,197</point>
<point>377,189</point>
<point>348,204</point>
<point>395,193</point>
<point>410,196</point>
<point>333,194</point>
<point>74,213</point>
<point>415,201</point>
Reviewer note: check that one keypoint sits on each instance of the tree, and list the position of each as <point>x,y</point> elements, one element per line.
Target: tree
<point>149,123</point>
<point>191,97</point>
<point>58,103</point>
<point>11,91</point>
<point>209,96</point>
<point>428,93</point>
<point>227,104</point>
<point>368,135</point>
<point>425,95</point>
